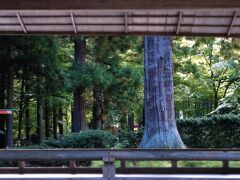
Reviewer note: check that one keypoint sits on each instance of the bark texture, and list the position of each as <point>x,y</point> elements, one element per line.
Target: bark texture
<point>97,108</point>
<point>39,112</point>
<point>2,106</point>
<point>9,123</point>
<point>60,121</point>
<point>78,109</point>
<point>54,122</point>
<point>160,125</point>
<point>47,118</point>
<point>27,113</point>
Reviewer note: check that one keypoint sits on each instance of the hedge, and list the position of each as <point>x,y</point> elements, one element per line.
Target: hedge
<point>219,131</point>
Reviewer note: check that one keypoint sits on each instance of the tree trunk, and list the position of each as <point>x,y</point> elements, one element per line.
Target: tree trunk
<point>2,106</point>
<point>27,113</point>
<point>215,99</point>
<point>97,108</point>
<point>78,109</point>
<point>20,116</point>
<point>47,118</point>
<point>54,122</point>
<point>131,121</point>
<point>39,112</point>
<point>9,124</point>
<point>160,125</point>
<point>60,121</point>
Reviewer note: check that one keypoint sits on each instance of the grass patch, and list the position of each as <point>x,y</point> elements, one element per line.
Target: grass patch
<point>234,164</point>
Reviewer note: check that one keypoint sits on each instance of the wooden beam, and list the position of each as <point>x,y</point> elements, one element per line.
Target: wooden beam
<point>21,23</point>
<point>179,22</point>
<point>116,4</point>
<point>73,23</point>
<point>232,23</point>
<point>126,22</point>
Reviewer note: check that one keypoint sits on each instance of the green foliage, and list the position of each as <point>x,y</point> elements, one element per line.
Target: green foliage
<point>84,139</point>
<point>206,72</point>
<point>129,139</point>
<point>221,131</point>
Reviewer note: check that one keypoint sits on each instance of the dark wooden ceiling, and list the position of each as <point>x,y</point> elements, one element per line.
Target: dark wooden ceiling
<point>121,17</point>
<point>117,4</point>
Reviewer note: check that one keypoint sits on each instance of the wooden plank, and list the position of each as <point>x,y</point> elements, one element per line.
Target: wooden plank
<point>27,155</point>
<point>50,170</point>
<point>51,178</point>
<point>201,21</point>
<point>195,170</point>
<point>42,155</point>
<point>113,4</point>
<point>179,155</point>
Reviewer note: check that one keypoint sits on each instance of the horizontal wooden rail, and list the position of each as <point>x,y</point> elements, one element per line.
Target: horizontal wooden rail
<point>31,161</point>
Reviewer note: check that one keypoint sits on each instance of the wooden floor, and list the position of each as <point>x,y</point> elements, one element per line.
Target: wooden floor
<point>118,177</point>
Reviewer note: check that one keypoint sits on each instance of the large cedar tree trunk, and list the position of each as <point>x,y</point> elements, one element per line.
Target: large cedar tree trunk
<point>9,124</point>
<point>78,107</point>
<point>160,125</point>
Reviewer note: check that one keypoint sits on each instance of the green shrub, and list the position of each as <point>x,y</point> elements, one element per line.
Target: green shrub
<point>128,139</point>
<point>221,131</point>
<point>84,139</point>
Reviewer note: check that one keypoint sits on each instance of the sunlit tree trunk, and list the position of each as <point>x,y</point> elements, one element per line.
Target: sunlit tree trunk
<point>160,125</point>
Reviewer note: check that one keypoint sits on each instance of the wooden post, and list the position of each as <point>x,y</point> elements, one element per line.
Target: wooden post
<point>72,165</point>
<point>109,170</point>
<point>123,164</point>
<point>225,164</point>
<point>21,165</point>
<point>174,163</point>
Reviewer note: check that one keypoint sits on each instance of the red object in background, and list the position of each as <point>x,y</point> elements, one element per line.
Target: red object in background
<point>5,112</point>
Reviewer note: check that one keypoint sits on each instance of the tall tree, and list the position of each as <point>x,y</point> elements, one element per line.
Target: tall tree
<point>78,109</point>
<point>97,108</point>
<point>2,106</point>
<point>39,111</point>
<point>160,125</point>
<point>21,108</point>
<point>10,91</point>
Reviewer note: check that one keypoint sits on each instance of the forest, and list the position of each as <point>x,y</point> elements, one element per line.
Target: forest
<point>59,86</point>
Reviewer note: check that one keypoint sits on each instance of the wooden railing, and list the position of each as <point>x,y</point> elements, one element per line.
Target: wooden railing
<point>22,161</point>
